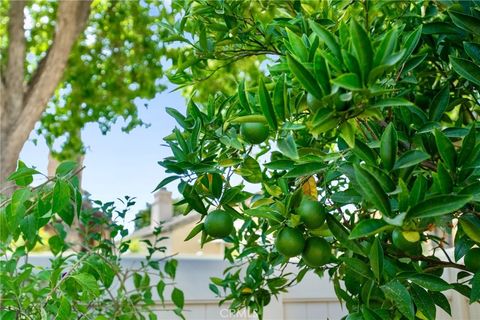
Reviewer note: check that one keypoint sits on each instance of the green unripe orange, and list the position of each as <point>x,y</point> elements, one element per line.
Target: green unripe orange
<point>218,224</point>
<point>407,241</point>
<point>317,252</point>
<point>312,213</point>
<point>262,297</point>
<point>472,260</point>
<point>290,242</point>
<point>254,132</point>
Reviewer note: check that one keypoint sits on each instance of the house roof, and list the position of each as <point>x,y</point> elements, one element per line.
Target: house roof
<point>169,225</point>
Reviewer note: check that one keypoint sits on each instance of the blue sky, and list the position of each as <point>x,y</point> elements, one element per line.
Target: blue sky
<point>119,164</point>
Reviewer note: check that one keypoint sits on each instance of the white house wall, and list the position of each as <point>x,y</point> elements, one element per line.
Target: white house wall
<point>313,298</point>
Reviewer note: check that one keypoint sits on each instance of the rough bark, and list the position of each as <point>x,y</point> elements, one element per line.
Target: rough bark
<point>16,126</point>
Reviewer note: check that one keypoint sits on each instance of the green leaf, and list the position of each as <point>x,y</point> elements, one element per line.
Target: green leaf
<point>280,99</point>
<point>328,38</point>
<point>438,205</point>
<point>389,146</point>
<point>178,298</point>
<point>348,81</point>
<point>411,42</point>
<point>441,301</point>
<point>288,147</point>
<point>342,235</point>
<point>242,96</point>
<point>445,149</point>
<point>266,213</point>
<point>64,310</point>
<point>305,169</point>
<point>322,73</point>
<point>362,47</point>
<point>364,152</point>
<point>17,208</point>
<point>166,181</point>
<point>196,230</point>
<point>23,175</point>
<point>376,259</point>
<point>386,47</point>
<point>297,45</point>
<point>178,117</point>
<point>65,168</point>
<point>468,145</point>
<point>4,232</point>
<point>465,21</point>
<point>473,51</point>
<point>372,190</point>
<point>61,196</point>
<point>88,283</point>
<point>171,268</point>
<point>266,105</point>
<point>347,132</point>
<point>466,69</point>
<point>399,295</point>
<point>306,79</point>
<point>419,188</point>
<point>439,104</point>
<point>411,158</point>
<point>194,200</point>
<point>357,266</point>
<point>56,244</point>
<point>429,282</point>
<point>160,290</point>
<point>423,301</point>
<point>392,102</point>
<point>475,293</point>
<point>368,227</point>
<point>28,225</point>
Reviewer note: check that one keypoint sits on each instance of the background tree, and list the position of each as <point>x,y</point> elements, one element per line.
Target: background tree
<point>78,63</point>
<point>26,91</point>
<point>362,137</point>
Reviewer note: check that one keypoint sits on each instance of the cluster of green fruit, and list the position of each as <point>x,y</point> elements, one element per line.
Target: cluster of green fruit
<point>291,242</point>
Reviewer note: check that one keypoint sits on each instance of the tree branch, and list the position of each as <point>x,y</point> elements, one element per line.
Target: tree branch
<point>16,60</point>
<point>71,20</point>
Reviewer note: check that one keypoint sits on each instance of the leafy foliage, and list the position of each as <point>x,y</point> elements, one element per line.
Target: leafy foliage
<point>81,278</point>
<point>375,104</point>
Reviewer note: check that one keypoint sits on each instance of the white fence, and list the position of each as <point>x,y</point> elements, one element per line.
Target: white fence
<point>313,298</point>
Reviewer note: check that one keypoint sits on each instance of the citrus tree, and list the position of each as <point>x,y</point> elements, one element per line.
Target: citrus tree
<point>355,155</point>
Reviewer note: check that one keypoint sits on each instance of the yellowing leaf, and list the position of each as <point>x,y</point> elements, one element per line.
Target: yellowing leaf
<point>309,188</point>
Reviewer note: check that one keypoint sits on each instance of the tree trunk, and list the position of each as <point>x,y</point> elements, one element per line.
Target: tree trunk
<point>22,105</point>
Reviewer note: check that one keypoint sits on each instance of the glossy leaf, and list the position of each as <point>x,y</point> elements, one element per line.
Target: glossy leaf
<point>372,190</point>
<point>376,259</point>
<point>411,158</point>
<point>466,21</point>
<point>399,295</point>
<point>368,227</point>
<point>388,147</point>
<point>348,81</point>
<point>439,104</point>
<point>438,206</point>
<point>445,149</point>
<point>467,69</point>
<point>266,105</point>
<point>327,38</point>
<point>362,46</point>
<point>306,79</point>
